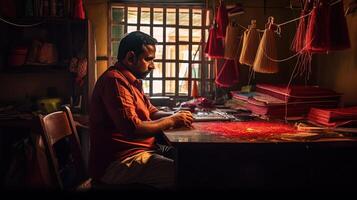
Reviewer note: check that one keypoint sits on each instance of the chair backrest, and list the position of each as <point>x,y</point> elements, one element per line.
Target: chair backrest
<point>64,149</point>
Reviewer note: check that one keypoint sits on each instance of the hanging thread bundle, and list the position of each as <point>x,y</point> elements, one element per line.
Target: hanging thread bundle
<point>231,42</point>
<point>250,45</point>
<point>266,53</point>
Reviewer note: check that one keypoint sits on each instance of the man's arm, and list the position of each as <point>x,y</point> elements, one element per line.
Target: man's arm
<point>179,119</point>
<point>160,114</point>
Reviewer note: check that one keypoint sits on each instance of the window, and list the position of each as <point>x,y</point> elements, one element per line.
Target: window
<point>181,32</point>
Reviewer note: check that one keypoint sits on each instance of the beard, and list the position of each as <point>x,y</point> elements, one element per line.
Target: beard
<point>144,74</point>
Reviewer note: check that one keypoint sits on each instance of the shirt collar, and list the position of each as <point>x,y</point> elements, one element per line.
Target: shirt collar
<point>128,74</point>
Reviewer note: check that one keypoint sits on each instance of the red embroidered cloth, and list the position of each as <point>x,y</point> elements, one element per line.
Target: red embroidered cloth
<point>248,130</point>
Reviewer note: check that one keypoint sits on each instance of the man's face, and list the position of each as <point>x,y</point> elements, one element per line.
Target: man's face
<point>144,64</point>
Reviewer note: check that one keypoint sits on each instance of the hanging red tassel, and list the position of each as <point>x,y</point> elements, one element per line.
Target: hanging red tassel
<point>222,20</point>
<point>317,34</point>
<point>214,46</point>
<point>78,10</point>
<point>228,75</point>
<point>339,38</point>
<point>299,39</point>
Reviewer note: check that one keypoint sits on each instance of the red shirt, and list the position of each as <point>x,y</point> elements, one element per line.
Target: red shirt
<point>118,105</point>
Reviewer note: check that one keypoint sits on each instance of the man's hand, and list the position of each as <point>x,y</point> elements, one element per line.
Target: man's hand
<point>182,118</point>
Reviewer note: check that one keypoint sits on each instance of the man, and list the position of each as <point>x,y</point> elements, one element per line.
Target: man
<point>124,125</point>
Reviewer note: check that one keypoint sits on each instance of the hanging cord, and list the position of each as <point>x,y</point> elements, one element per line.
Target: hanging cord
<point>290,21</point>
<point>296,54</point>
<point>21,25</point>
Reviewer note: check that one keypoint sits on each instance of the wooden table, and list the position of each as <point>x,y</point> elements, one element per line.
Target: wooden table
<point>211,161</point>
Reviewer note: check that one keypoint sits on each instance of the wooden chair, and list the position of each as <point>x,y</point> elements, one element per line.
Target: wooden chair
<point>65,155</point>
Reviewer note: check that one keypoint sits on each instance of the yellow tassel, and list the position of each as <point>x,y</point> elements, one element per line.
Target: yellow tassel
<point>250,47</point>
<point>266,53</point>
<point>231,42</point>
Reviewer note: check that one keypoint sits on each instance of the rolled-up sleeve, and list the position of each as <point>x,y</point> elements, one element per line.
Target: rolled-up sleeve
<point>152,108</point>
<point>120,104</point>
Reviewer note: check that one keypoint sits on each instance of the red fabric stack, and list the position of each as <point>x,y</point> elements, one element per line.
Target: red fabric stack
<point>333,117</point>
<point>278,101</point>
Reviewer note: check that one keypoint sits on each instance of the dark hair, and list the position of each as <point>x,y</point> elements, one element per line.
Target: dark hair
<point>134,41</point>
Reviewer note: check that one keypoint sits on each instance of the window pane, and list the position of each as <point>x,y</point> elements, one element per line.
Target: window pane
<point>170,87</point>
<point>158,33</point>
<point>183,70</point>
<point>145,29</point>
<point>146,86</point>
<point>196,35</point>
<point>115,46</point>
<point>196,70</point>
<point>170,52</point>
<point>176,67</point>
<point>171,16</point>
<point>157,72</point>
<point>170,69</point>
<point>184,17</point>
<point>145,16</point>
<point>196,55</point>
<point>118,15</point>
<point>133,15</point>
<point>158,54</point>
<point>158,15</point>
<point>183,88</point>
<point>117,31</point>
<point>157,87</point>
<point>184,52</point>
<point>208,21</point>
<point>183,35</point>
<point>132,28</point>
<point>196,17</point>
<point>170,34</point>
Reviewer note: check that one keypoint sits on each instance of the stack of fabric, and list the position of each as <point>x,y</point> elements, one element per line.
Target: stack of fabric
<point>333,117</point>
<point>279,101</point>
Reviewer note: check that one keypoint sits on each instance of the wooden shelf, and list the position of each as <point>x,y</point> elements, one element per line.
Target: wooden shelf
<point>36,68</point>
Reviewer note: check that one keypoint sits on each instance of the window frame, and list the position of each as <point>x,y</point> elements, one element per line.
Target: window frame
<point>206,79</point>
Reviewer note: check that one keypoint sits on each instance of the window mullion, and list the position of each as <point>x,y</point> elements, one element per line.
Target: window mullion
<point>190,53</point>
<point>177,54</point>
<point>164,52</point>
<point>203,61</point>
